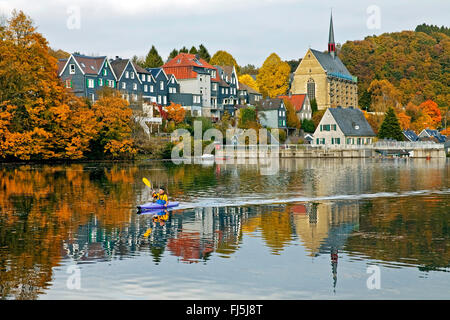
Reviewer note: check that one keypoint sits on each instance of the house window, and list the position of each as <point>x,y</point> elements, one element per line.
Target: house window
<point>173,80</point>
<point>148,78</point>
<point>165,99</point>
<point>132,75</point>
<point>68,84</point>
<point>127,74</point>
<point>105,72</point>
<point>72,69</point>
<point>124,85</point>
<point>134,86</point>
<point>333,127</point>
<point>91,83</point>
<point>143,77</point>
<point>151,88</point>
<point>100,82</point>
<point>111,83</point>
<point>135,97</point>
<point>145,88</point>
<point>161,85</point>
<point>159,99</point>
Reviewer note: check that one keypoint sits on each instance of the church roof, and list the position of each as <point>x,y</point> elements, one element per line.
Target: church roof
<point>330,64</point>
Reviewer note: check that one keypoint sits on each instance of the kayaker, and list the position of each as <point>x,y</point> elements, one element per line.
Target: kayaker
<point>161,197</point>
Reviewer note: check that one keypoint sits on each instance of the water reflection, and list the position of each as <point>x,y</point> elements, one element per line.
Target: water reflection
<point>85,213</point>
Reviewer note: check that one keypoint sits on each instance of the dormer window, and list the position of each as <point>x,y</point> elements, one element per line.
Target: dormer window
<point>72,69</point>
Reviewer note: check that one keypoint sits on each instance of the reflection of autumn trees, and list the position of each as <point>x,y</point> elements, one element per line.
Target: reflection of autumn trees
<point>41,206</point>
<point>411,229</point>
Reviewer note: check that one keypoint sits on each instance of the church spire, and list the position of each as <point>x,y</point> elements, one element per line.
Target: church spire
<point>331,43</point>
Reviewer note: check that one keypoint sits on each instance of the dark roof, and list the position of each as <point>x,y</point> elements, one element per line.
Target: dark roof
<point>139,69</point>
<point>61,64</point>
<point>89,65</point>
<point>330,64</point>
<point>436,134</point>
<point>118,66</point>
<point>243,86</point>
<point>410,135</point>
<point>271,104</point>
<point>352,122</point>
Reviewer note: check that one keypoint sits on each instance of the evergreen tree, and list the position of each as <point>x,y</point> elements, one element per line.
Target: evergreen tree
<point>203,53</point>
<point>153,59</point>
<point>390,128</point>
<point>193,50</point>
<point>314,106</point>
<point>173,54</point>
<point>184,50</point>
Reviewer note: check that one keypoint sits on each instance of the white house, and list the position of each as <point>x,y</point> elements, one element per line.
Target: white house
<point>343,126</point>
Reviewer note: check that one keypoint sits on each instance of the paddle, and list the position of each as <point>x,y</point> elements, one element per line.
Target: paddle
<point>147,183</point>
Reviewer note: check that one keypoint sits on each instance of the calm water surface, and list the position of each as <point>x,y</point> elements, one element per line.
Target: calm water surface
<point>310,231</point>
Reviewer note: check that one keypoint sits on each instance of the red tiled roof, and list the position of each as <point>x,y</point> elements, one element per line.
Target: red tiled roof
<point>61,65</point>
<point>182,66</point>
<point>296,99</point>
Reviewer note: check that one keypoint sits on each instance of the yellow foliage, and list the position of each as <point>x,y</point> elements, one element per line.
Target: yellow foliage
<point>273,77</point>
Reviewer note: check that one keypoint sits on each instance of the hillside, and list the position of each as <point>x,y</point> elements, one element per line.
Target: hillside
<point>417,63</point>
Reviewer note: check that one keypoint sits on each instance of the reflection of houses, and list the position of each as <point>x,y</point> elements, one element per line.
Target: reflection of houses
<point>204,231</point>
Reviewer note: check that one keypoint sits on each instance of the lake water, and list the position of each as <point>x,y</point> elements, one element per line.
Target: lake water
<point>315,229</point>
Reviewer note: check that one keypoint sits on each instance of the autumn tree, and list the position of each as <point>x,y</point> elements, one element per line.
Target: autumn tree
<point>430,108</point>
<point>249,81</point>
<point>292,121</point>
<point>176,112</point>
<point>39,119</point>
<point>273,77</point>
<point>404,120</point>
<point>114,130</point>
<point>383,95</point>
<point>249,69</point>
<point>223,58</point>
<point>390,128</point>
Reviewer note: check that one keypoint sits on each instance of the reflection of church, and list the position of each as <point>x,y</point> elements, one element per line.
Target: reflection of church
<point>323,228</point>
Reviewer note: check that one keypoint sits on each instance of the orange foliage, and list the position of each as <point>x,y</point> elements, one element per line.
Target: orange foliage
<point>176,112</point>
<point>431,109</point>
<point>39,118</point>
<point>404,120</point>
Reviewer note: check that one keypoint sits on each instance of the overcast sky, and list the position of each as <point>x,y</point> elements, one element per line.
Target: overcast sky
<point>249,29</point>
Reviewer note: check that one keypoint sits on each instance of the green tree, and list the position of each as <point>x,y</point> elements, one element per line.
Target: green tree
<point>273,77</point>
<point>203,53</point>
<point>390,128</point>
<point>293,64</point>
<point>184,50</point>
<point>153,59</point>
<point>314,106</point>
<point>173,54</point>
<point>249,69</point>
<point>308,126</point>
<point>193,50</point>
<point>247,116</point>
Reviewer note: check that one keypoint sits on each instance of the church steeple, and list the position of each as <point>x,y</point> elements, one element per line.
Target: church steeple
<point>331,43</point>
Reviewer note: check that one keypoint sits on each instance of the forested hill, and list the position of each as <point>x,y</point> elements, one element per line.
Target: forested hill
<point>416,62</point>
